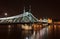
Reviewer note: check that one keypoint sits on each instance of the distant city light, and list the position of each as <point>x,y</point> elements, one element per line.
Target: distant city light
<point>49,20</point>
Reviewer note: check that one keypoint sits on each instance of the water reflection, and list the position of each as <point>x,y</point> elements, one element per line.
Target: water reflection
<point>9,28</point>
<point>41,34</point>
<point>38,34</point>
<point>48,32</point>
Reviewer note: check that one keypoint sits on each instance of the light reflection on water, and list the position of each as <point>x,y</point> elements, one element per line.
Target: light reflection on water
<point>44,33</point>
<point>48,32</point>
<point>39,34</point>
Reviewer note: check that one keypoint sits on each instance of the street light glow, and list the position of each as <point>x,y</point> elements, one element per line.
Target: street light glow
<point>5,14</point>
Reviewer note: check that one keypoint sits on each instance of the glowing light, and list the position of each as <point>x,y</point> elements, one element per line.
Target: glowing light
<point>54,26</point>
<point>26,37</point>
<point>9,26</point>
<point>26,27</point>
<point>5,14</point>
<point>44,20</point>
<point>40,20</point>
<point>40,26</point>
<point>49,20</point>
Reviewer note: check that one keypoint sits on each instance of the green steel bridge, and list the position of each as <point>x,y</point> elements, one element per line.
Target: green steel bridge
<point>26,17</point>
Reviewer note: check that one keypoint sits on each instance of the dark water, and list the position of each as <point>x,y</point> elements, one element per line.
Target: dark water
<point>14,32</point>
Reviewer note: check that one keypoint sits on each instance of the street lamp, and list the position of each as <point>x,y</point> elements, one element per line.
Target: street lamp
<point>5,14</point>
<point>6,17</point>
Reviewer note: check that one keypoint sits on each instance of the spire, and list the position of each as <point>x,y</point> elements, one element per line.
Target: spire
<point>24,10</point>
<point>29,8</point>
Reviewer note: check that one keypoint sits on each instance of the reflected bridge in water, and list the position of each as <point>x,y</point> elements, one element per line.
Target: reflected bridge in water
<point>15,32</point>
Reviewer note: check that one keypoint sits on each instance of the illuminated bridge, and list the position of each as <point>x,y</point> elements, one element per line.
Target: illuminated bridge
<point>23,21</point>
<point>26,17</point>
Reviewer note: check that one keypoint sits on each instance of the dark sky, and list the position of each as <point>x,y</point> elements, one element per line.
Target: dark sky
<point>39,8</point>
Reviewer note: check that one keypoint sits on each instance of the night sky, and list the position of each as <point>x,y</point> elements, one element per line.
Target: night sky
<point>39,8</point>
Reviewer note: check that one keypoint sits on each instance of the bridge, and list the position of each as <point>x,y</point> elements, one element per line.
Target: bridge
<point>26,17</point>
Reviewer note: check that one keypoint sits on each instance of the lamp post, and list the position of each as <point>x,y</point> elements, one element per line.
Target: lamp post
<point>5,17</point>
<point>5,14</point>
<point>9,26</point>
